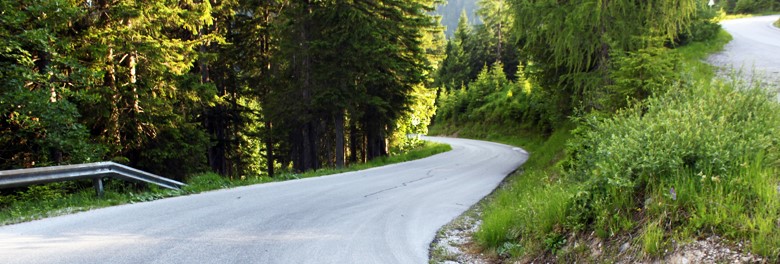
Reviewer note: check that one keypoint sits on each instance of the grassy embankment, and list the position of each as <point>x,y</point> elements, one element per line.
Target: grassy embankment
<point>699,160</point>
<point>41,201</point>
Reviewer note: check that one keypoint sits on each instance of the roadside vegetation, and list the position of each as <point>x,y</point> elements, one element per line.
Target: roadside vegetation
<point>650,151</point>
<point>47,200</point>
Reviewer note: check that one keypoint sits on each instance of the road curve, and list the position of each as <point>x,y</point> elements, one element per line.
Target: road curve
<point>381,215</point>
<point>754,49</point>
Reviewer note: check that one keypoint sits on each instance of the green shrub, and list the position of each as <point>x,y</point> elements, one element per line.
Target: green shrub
<point>700,157</point>
<point>704,26</point>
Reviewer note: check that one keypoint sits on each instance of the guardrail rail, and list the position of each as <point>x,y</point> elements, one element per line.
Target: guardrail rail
<point>95,171</point>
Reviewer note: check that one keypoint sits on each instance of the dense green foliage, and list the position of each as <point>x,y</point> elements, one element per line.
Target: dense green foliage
<point>573,44</point>
<point>238,87</point>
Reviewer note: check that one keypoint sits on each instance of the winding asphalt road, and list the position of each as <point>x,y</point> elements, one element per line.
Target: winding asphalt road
<point>755,49</point>
<point>381,215</point>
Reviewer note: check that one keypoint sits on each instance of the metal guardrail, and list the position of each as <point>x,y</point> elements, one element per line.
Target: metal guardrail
<point>95,171</point>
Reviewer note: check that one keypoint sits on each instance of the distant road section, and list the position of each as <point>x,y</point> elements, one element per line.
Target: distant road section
<point>382,215</point>
<point>755,49</point>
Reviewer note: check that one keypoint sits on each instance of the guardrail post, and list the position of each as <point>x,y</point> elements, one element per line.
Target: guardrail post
<point>98,182</point>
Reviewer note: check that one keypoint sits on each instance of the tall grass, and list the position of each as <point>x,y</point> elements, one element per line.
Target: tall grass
<point>42,201</point>
<point>528,209</point>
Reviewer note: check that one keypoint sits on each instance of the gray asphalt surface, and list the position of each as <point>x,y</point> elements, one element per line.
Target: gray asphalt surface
<point>755,49</point>
<point>381,215</point>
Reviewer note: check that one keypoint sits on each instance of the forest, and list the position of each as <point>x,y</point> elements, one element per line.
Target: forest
<point>230,86</point>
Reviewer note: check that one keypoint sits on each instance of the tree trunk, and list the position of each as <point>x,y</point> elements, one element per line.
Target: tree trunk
<point>266,49</point>
<point>329,141</point>
<point>498,53</point>
<point>109,81</point>
<point>372,136</point>
<point>132,62</point>
<point>55,154</point>
<point>353,143</point>
<point>218,152</point>
<point>308,133</point>
<point>338,125</point>
<point>269,149</point>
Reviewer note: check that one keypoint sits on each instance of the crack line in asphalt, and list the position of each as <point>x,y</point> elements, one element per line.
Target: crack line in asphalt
<point>428,175</point>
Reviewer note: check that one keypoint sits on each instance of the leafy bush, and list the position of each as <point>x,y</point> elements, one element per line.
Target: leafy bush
<point>701,158</point>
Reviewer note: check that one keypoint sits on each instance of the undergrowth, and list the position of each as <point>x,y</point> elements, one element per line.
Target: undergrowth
<point>698,159</point>
<point>48,200</point>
